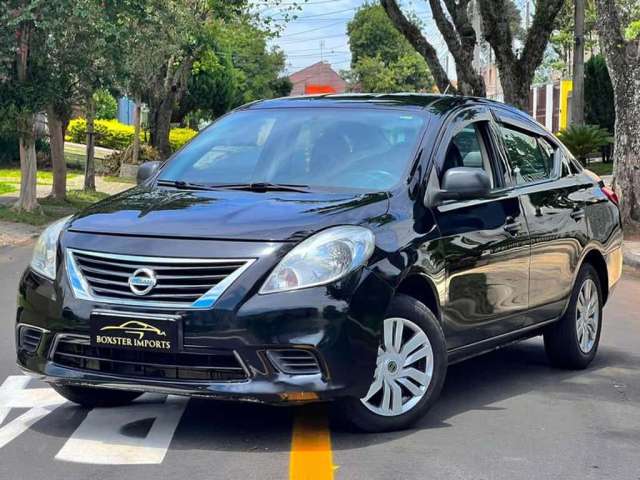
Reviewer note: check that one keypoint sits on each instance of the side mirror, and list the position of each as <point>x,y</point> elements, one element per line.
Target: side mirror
<point>146,171</point>
<point>464,183</point>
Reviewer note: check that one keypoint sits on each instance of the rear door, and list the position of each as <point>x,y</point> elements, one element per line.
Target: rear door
<point>553,200</point>
<point>484,241</point>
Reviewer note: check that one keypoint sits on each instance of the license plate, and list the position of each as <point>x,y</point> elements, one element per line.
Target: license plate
<point>135,333</point>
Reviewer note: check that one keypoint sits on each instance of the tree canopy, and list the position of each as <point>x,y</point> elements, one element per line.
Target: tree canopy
<point>382,60</point>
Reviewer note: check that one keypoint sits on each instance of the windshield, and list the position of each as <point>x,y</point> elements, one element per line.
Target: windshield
<point>316,147</point>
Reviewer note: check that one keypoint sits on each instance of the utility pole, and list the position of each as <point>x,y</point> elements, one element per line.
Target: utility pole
<point>577,94</point>
<point>322,50</point>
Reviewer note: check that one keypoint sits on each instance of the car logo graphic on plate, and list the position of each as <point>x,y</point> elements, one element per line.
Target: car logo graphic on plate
<point>142,281</point>
<point>135,327</point>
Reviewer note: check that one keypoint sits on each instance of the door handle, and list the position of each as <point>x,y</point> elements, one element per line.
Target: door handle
<point>512,226</point>
<point>577,214</point>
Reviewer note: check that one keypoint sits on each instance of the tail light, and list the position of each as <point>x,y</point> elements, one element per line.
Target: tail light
<point>611,195</point>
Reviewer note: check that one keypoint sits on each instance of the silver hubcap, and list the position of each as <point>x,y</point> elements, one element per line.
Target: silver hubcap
<point>403,369</point>
<point>587,315</point>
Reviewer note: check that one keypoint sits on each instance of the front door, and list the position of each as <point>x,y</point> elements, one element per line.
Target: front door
<point>485,241</point>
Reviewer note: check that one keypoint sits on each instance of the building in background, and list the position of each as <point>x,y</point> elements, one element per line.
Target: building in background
<point>551,104</point>
<point>317,78</point>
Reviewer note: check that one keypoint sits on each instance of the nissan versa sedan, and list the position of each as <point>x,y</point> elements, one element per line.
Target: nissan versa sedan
<point>335,247</point>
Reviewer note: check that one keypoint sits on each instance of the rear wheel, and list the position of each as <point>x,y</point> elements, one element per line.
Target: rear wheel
<point>95,397</point>
<point>410,370</point>
<point>573,341</point>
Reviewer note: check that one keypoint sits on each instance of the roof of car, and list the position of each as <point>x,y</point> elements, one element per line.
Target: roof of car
<point>436,103</point>
<point>410,100</point>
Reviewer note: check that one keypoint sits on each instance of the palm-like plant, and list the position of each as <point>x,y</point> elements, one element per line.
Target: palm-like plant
<point>583,140</point>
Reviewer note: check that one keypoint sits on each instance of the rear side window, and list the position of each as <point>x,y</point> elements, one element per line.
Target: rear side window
<point>530,157</point>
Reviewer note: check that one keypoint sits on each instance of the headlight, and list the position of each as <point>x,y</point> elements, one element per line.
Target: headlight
<point>322,258</point>
<point>45,251</point>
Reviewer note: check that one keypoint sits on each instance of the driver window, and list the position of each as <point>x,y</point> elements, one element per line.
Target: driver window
<point>467,149</point>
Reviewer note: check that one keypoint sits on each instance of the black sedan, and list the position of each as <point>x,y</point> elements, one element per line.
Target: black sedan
<point>336,247</point>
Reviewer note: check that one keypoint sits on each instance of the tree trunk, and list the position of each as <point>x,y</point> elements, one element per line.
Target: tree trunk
<point>515,87</point>
<point>136,136</point>
<point>58,163</point>
<point>160,125</point>
<point>623,63</point>
<point>459,35</point>
<point>27,200</point>
<point>517,71</point>
<point>577,93</point>
<point>627,147</point>
<point>90,166</point>
<point>165,98</point>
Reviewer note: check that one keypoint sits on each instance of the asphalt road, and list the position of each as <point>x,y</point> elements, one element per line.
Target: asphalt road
<point>506,415</point>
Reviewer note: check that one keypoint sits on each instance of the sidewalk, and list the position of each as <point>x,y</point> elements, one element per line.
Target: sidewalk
<point>631,254</point>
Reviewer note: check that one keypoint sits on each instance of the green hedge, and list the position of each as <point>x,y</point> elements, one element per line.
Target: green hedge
<point>116,135</point>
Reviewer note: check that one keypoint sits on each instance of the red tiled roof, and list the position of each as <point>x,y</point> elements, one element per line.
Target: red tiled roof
<point>319,77</point>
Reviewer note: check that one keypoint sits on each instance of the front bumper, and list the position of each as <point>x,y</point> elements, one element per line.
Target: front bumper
<point>341,326</point>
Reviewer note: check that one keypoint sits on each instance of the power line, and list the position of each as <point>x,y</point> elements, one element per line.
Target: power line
<point>311,30</point>
<point>324,14</point>
<point>329,54</point>
<point>301,3</point>
<point>315,49</point>
<point>295,41</point>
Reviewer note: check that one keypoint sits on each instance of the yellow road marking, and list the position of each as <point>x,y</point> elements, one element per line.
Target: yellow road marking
<point>311,455</point>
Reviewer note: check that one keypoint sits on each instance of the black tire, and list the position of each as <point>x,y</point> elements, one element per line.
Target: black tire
<point>95,397</point>
<point>561,339</point>
<point>355,414</point>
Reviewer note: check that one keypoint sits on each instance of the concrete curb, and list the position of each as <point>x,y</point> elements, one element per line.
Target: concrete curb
<point>631,255</point>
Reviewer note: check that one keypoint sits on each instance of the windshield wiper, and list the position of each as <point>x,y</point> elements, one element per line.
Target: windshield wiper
<point>181,185</point>
<point>267,187</point>
<point>252,187</point>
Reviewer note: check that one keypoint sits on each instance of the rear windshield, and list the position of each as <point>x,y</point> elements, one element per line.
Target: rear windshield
<point>317,147</point>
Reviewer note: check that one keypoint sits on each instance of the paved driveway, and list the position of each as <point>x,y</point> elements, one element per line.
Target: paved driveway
<point>506,415</point>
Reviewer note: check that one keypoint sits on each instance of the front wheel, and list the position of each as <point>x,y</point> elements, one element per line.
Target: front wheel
<point>573,341</point>
<point>410,370</point>
<point>95,397</point>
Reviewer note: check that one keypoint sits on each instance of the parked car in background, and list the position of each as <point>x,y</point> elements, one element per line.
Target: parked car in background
<point>336,247</point>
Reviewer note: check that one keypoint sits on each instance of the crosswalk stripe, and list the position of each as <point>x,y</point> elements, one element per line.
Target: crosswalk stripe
<point>100,440</point>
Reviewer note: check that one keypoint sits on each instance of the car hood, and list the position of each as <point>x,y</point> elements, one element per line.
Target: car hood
<point>228,214</point>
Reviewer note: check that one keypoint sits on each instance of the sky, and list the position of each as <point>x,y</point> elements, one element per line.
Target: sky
<point>320,31</point>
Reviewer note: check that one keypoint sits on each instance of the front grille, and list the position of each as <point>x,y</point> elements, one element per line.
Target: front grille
<point>294,361</point>
<point>76,352</point>
<point>180,282</point>
<point>29,338</point>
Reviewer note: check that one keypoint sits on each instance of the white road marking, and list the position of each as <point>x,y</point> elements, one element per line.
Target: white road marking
<point>99,440</point>
<point>14,394</point>
<point>12,383</point>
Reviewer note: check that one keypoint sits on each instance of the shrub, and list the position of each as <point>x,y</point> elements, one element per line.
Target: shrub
<point>10,149</point>
<point>583,140</point>
<point>106,105</point>
<point>116,135</point>
<point>598,94</point>
<point>179,136</point>
<point>109,133</point>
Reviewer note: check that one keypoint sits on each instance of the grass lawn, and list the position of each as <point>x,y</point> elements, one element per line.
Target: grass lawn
<point>52,209</point>
<point>113,179</point>
<point>12,176</point>
<point>601,168</point>
<point>7,188</point>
